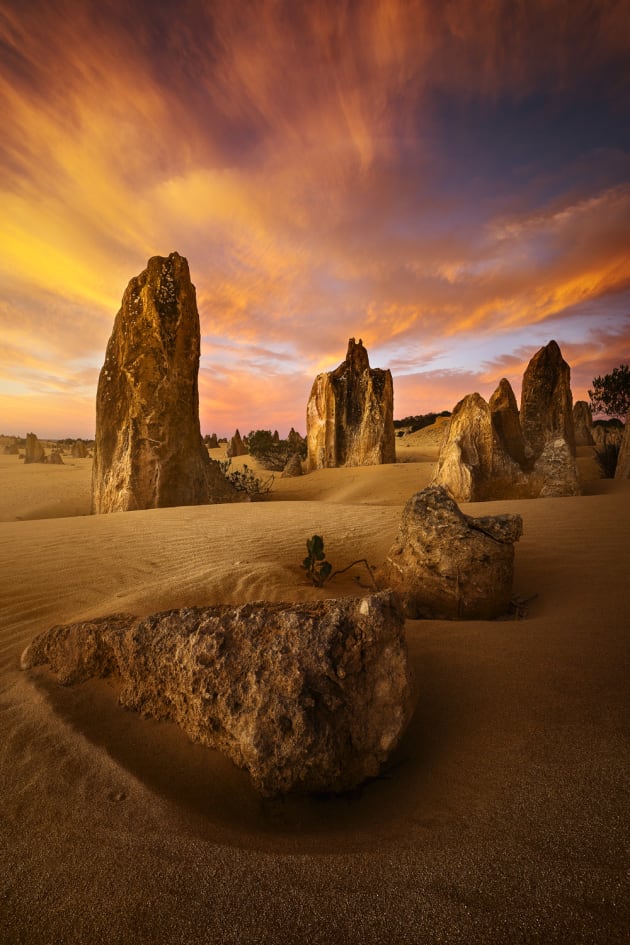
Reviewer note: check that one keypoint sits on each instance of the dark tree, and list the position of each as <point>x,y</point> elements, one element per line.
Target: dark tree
<point>611,393</point>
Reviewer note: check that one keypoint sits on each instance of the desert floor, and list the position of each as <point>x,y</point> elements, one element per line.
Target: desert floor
<point>503,817</point>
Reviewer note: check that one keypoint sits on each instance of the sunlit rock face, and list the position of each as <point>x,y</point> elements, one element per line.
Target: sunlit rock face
<point>447,565</point>
<point>149,452</point>
<point>493,452</point>
<point>474,463</point>
<point>623,462</point>
<point>583,424</point>
<point>306,696</point>
<point>350,414</point>
<point>546,400</point>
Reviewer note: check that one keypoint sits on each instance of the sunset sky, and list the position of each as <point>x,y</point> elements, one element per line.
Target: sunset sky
<point>447,179</point>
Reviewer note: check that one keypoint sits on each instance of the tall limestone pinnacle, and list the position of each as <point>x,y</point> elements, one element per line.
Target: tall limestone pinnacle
<point>350,414</point>
<point>149,452</point>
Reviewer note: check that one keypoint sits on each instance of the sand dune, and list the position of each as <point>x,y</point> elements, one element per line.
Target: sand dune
<point>502,818</point>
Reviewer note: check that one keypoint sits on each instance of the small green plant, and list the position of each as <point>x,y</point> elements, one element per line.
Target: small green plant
<point>314,564</point>
<point>319,570</point>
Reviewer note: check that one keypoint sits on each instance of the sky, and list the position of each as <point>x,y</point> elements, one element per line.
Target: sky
<point>448,180</point>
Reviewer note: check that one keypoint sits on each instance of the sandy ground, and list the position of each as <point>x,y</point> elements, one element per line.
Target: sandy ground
<point>503,817</point>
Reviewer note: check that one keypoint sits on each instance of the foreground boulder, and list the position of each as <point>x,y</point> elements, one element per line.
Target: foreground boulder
<point>149,452</point>
<point>34,451</point>
<point>306,697</point>
<point>447,565</point>
<point>350,414</point>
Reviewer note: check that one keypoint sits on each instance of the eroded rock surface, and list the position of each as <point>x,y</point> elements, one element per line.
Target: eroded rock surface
<point>447,565</point>
<point>236,447</point>
<point>149,452</point>
<point>474,464</point>
<point>546,400</point>
<point>493,452</point>
<point>350,414</point>
<point>293,467</point>
<point>583,423</point>
<point>623,461</point>
<point>34,451</point>
<point>306,697</point>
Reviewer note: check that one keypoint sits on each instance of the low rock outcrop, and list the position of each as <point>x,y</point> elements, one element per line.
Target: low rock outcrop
<point>583,423</point>
<point>56,458</point>
<point>447,565</point>
<point>236,447</point>
<point>306,697</point>
<point>349,416</point>
<point>623,461</point>
<point>34,451</point>
<point>149,452</point>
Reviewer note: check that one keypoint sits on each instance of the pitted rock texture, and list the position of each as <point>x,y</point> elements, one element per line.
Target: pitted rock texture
<point>623,461</point>
<point>583,423</point>
<point>350,414</point>
<point>487,453</point>
<point>34,451</point>
<point>546,400</point>
<point>149,452</point>
<point>474,463</point>
<point>507,423</point>
<point>447,565</point>
<point>307,697</point>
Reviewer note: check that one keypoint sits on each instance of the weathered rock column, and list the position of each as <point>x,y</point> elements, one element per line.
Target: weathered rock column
<point>149,452</point>
<point>350,414</point>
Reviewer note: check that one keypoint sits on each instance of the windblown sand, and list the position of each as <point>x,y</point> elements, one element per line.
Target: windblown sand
<point>503,817</point>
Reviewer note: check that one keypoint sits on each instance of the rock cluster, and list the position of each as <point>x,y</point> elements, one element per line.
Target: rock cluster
<point>494,452</point>
<point>34,451</point>
<point>451,566</point>
<point>306,697</point>
<point>149,452</point>
<point>349,416</point>
<point>623,461</point>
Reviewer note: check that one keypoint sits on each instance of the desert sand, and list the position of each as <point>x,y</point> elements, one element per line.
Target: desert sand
<point>501,819</point>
